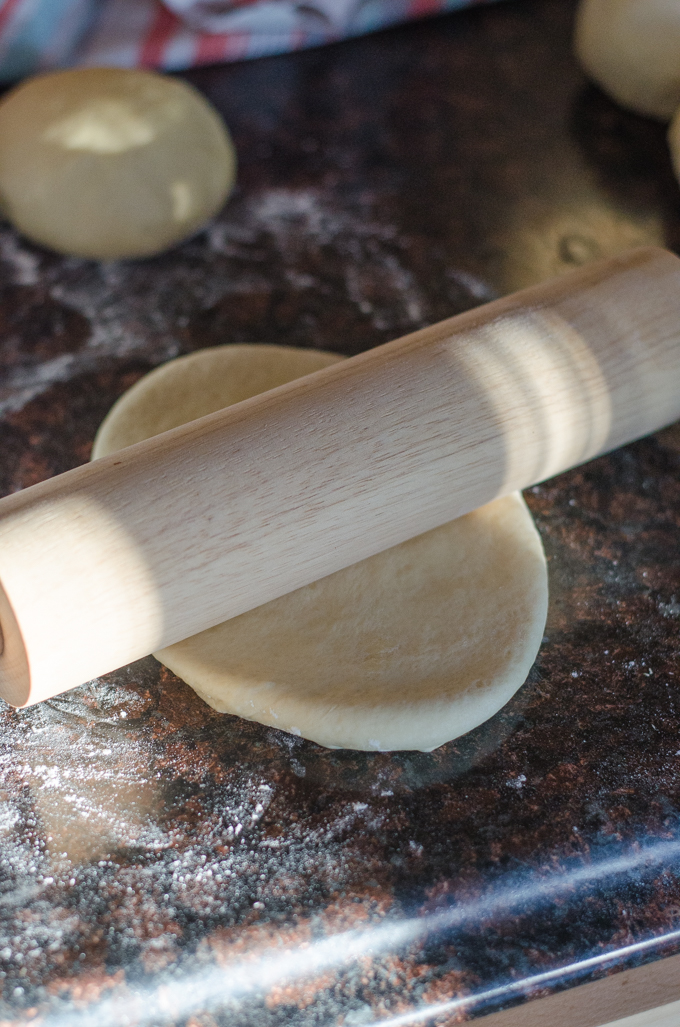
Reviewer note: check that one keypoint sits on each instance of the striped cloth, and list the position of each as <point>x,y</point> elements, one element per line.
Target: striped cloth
<point>40,35</point>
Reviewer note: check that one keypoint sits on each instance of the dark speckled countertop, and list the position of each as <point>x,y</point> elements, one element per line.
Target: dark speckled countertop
<point>162,864</point>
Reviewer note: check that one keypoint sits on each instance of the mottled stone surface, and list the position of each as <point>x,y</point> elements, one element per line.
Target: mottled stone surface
<point>163,864</point>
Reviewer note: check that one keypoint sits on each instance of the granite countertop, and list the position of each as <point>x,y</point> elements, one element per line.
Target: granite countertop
<point>163,864</point>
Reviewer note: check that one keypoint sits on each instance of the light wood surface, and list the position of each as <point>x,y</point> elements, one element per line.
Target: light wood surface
<point>664,1016</point>
<point>136,551</point>
<point>648,996</point>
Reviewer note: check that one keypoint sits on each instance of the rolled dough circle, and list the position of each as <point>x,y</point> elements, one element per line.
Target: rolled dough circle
<point>406,650</point>
<point>111,163</point>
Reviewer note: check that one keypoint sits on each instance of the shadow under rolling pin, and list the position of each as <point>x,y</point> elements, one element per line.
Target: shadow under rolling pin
<point>108,562</point>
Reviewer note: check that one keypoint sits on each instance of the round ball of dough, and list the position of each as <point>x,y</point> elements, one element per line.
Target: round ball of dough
<point>632,49</point>
<point>405,650</point>
<point>110,163</point>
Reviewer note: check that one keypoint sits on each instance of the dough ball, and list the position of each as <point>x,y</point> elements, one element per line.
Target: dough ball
<point>632,49</point>
<point>405,650</point>
<point>110,163</point>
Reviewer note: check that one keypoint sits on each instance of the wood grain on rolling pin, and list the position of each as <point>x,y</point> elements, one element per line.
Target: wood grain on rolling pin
<point>136,551</point>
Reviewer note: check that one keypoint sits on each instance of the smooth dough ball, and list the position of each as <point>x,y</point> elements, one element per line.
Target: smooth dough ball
<point>632,49</point>
<point>110,163</point>
<point>405,650</point>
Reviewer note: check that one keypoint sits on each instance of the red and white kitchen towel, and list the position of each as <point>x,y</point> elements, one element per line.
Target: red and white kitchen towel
<point>40,35</point>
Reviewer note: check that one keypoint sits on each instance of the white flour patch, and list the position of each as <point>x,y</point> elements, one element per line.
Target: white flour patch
<point>300,223</point>
<point>23,384</point>
<point>24,264</point>
<point>268,244</point>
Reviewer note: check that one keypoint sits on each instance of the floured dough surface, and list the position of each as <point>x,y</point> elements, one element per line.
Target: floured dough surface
<point>406,650</point>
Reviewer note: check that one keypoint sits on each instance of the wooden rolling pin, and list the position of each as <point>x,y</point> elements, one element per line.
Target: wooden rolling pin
<point>108,562</point>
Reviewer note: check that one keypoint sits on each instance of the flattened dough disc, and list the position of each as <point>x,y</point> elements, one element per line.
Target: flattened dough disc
<point>405,650</point>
